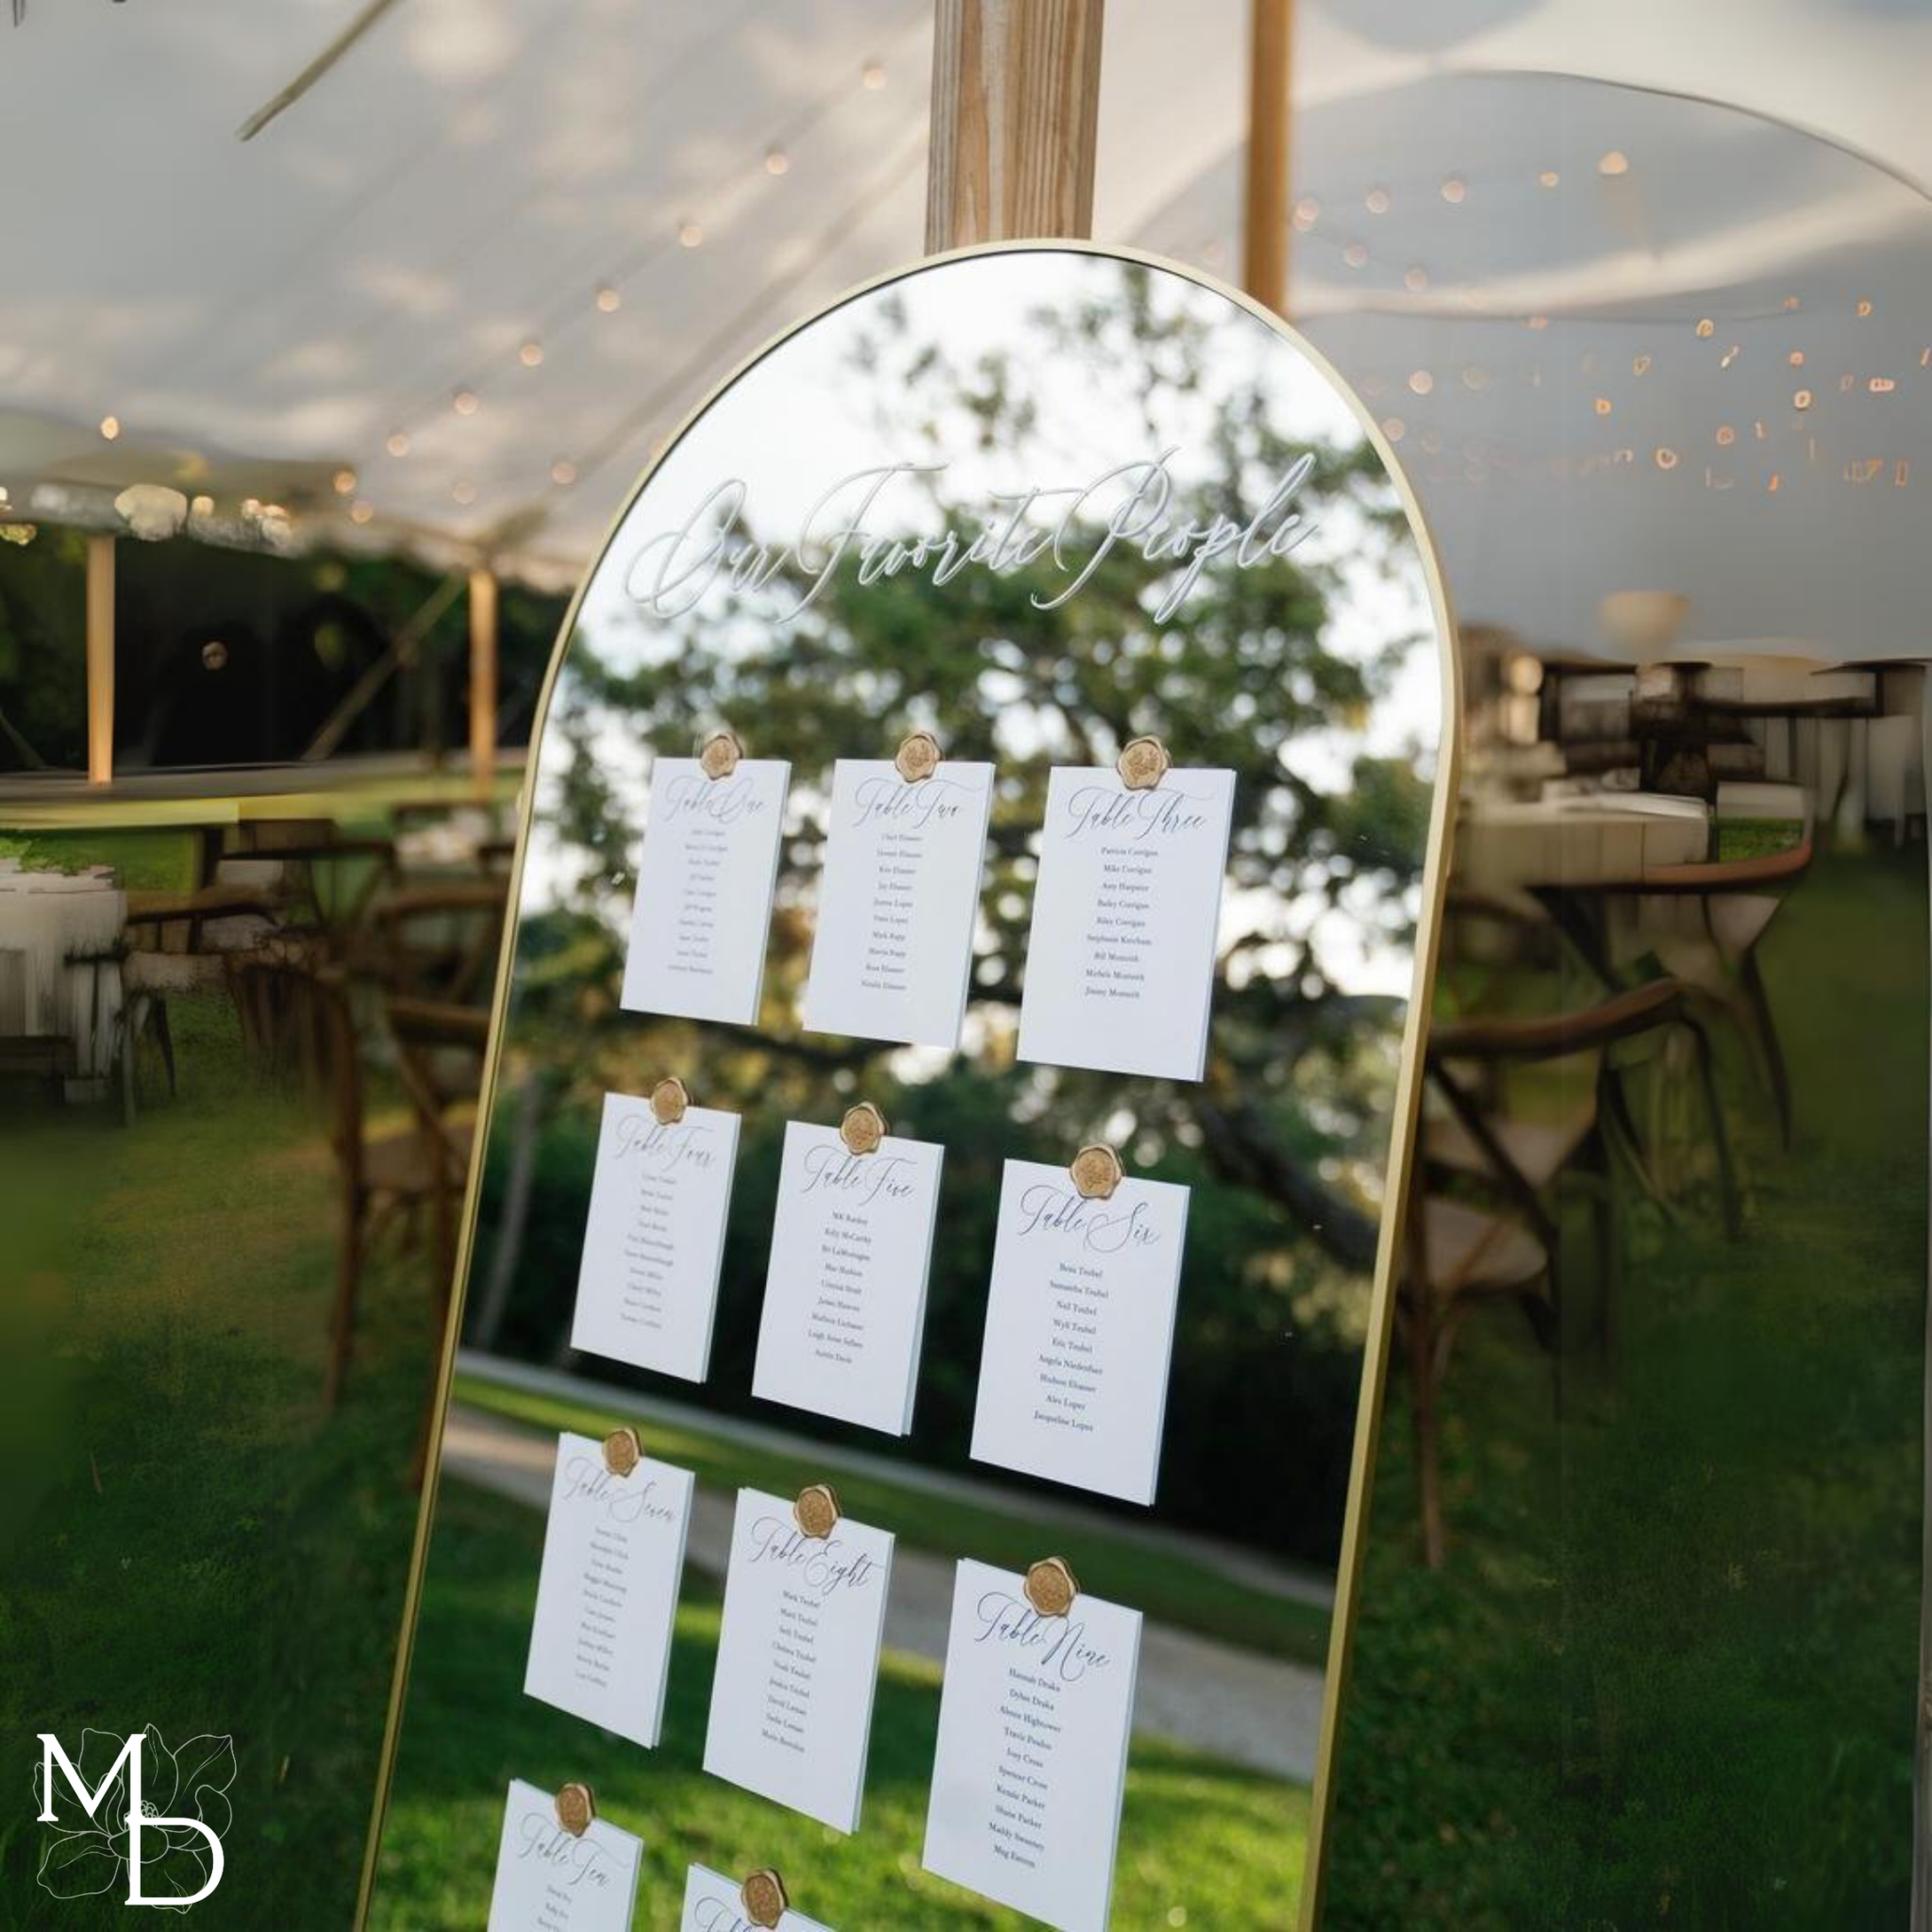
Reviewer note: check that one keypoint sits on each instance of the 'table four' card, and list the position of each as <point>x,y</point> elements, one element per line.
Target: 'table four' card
<point>549,1881</point>
<point>1035,1717</point>
<point>607,1596</point>
<point>846,1296</point>
<point>1120,967</point>
<point>704,882</point>
<point>898,901</point>
<point>798,1661</point>
<point>647,1279</point>
<point>713,1903</point>
<point>1079,1330</point>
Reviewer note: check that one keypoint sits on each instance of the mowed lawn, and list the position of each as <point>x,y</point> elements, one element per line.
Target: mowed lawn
<point>1668,1676</point>
<point>186,1539</point>
<point>1202,1844</point>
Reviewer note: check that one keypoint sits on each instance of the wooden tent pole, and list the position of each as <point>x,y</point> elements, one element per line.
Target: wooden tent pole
<point>100,659</point>
<point>483,602</point>
<point>1265,227</point>
<point>1015,107</point>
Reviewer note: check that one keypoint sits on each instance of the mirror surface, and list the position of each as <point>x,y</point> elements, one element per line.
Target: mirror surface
<point>752,586</point>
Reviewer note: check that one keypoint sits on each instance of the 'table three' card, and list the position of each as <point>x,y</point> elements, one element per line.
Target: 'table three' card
<point>898,901</point>
<point>1079,1330</point>
<point>1035,1717</point>
<point>547,1880</point>
<point>798,1661</point>
<point>606,1597</point>
<point>845,1294</point>
<point>1120,967</point>
<point>647,1279</point>
<point>704,901</point>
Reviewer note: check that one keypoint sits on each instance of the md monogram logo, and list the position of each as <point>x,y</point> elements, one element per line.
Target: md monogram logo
<point>134,1817</point>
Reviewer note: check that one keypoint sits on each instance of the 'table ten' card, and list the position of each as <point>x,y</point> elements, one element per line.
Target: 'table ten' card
<point>547,1880</point>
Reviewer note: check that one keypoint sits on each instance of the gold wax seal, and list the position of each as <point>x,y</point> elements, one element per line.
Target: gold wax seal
<point>917,757</point>
<point>864,1129</point>
<point>763,1893</point>
<point>720,756</point>
<point>623,1452</point>
<point>1143,763</point>
<point>669,1100</point>
<point>1051,1588</point>
<point>1097,1172</point>
<point>817,1511</point>
<point>575,1808</point>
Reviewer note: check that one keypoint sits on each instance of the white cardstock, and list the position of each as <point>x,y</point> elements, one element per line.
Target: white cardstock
<point>1079,1330</point>
<point>798,1661</point>
<point>647,1279</point>
<point>704,882</point>
<point>845,1291</point>
<point>1035,1718</point>
<point>713,1903</point>
<point>897,903</point>
<point>549,1881</point>
<point>606,1595</point>
<point>1120,966</point>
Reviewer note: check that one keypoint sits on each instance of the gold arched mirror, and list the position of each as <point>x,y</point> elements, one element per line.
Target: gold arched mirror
<point>944,1102</point>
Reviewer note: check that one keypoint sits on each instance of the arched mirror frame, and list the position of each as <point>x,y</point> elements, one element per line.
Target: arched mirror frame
<point>1402,1122</point>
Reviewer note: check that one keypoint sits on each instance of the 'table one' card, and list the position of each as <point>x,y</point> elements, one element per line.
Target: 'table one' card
<point>705,881</point>
<point>647,1279</point>
<point>1079,1330</point>
<point>898,901</point>
<point>845,1293</point>
<point>607,1596</point>
<point>1126,910</point>
<point>547,1880</point>
<point>1035,1718</point>
<point>798,1661</point>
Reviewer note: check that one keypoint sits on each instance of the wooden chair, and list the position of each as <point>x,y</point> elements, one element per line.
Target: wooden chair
<point>440,943</point>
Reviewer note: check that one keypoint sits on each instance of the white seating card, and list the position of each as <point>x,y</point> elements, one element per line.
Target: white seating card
<point>549,1881</point>
<point>845,1291</point>
<point>798,1661</point>
<point>1035,1718</point>
<point>647,1279</point>
<point>1079,1330</point>
<point>1120,966</point>
<point>897,903</point>
<point>704,901</point>
<point>713,1903</point>
<point>606,1595</point>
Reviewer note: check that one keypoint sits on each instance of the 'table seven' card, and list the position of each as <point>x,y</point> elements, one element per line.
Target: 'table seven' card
<point>1079,1330</point>
<point>898,901</point>
<point>704,882</point>
<point>798,1661</point>
<point>647,1279</point>
<point>1120,967</point>
<point>1035,1717</point>
<point>606,1597</point>
<point>713,1903</point>
<point>547,1880</point>
<point>845,1294</point>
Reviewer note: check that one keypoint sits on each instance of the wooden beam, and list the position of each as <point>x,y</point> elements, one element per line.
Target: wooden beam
<point>1265,208</point>
<point>100,659</point>
<point>483,676</point>
<point>1015,107</point>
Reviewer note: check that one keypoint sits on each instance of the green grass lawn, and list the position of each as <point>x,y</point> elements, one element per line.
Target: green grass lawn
<point>160,861</point>
<point>186,1539</point>
<point>1168,1587</point>
<point>1667,1677</point>
<point>1202,1844</point>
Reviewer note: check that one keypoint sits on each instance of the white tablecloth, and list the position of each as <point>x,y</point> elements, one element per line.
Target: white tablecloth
<point>52,925</point>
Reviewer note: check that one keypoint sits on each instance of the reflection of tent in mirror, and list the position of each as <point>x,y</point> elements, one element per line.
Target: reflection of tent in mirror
<point>1034,394</point>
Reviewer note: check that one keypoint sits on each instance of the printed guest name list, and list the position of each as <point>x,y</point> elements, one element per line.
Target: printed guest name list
<point>1120,966</point>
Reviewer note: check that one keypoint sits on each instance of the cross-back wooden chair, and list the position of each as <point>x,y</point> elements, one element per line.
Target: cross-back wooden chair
<point>440,943</point>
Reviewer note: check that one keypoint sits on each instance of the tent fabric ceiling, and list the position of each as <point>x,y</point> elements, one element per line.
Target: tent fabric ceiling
<point>1592,381</point>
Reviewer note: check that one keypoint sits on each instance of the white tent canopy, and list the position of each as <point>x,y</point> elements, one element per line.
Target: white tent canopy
<point>516,240</point>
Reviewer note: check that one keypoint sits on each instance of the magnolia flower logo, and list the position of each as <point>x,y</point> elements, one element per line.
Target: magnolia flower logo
<point>172,1857</point>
